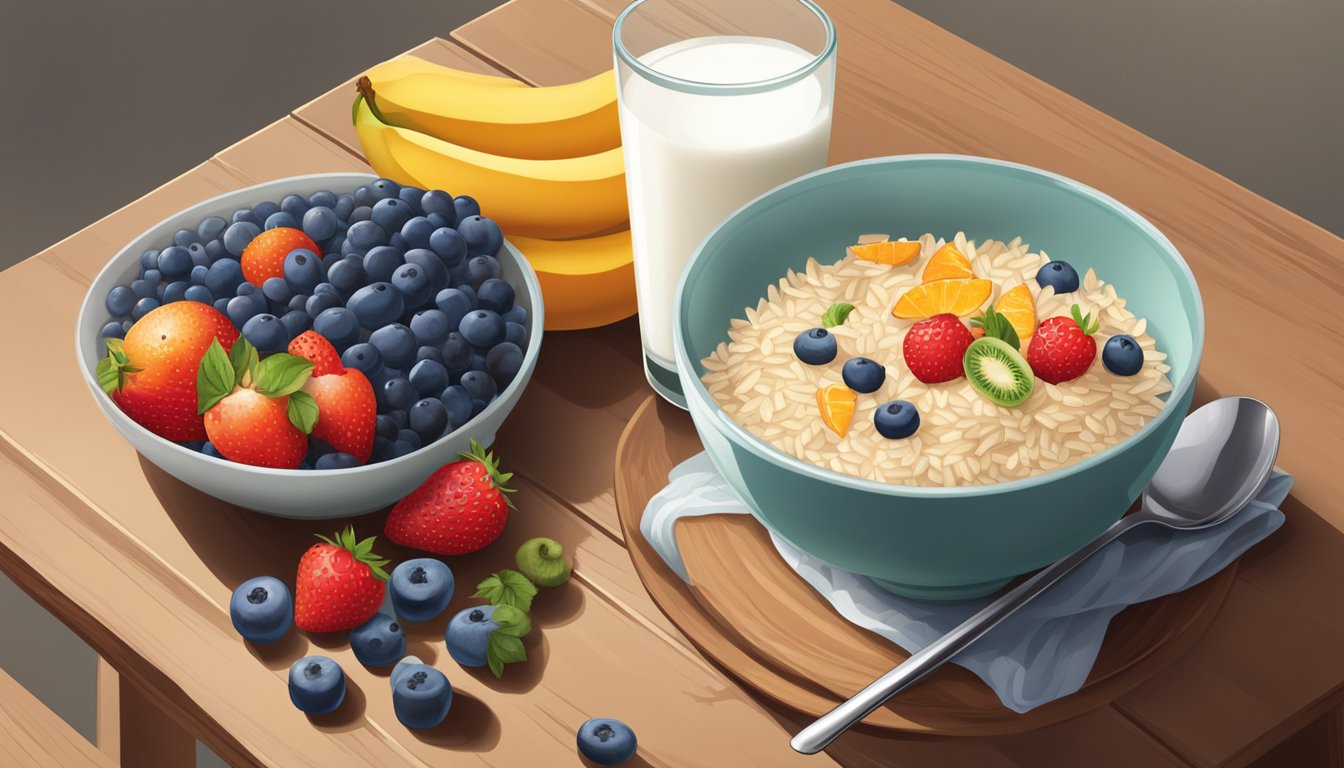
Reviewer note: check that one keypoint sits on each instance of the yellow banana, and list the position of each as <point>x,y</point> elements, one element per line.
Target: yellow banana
<point>538,198</point>
<point>410,64</point>
<point>584,283</point>
<point>544,123</point>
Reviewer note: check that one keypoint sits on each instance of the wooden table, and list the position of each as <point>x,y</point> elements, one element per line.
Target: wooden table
<point>142,566</point>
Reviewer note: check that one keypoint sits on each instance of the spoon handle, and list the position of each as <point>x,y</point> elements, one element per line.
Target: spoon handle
<point>828,727</point>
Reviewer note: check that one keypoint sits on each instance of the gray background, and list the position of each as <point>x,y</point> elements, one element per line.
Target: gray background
<point>103,102</point>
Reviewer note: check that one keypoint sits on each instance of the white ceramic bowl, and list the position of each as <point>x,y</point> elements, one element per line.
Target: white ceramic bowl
<point>291,492</point>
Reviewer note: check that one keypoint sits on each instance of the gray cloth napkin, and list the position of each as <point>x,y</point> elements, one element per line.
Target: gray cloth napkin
<point>1043,652</point>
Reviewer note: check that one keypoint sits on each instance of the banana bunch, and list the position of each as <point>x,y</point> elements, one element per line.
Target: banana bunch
<point>545,163</point>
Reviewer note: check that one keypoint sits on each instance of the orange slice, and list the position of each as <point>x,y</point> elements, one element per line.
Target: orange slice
<point>1020,309</point>
<point>836,403</point>
<point>959,297</point>
<point>947,263</point>
<point>893,253</point>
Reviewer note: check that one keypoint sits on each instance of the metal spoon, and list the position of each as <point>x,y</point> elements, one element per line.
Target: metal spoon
<point>1221,459</point>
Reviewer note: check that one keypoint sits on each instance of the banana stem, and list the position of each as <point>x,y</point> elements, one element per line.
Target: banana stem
<point>365,87</point>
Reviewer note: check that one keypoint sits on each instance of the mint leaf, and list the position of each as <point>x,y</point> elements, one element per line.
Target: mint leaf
<point>836,314</point>
<point>511,621</point>
<point>501,649</point>
<point>282,374</point>
<point>214,378</point>
<point>303,412</point>
<point>243,358</point>
<point>108,374</point>
<point>507,589</point>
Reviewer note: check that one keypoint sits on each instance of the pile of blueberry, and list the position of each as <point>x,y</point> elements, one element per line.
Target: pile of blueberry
<point>404,283</point>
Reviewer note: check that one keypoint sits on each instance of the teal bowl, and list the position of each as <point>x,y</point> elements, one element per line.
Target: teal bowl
<point>935,543</point>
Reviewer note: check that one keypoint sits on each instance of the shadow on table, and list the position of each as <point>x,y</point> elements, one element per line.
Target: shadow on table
<point>350,715</point>
<point>471,726</point>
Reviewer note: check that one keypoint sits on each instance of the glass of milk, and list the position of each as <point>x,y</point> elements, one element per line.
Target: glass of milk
<point>720,101</point>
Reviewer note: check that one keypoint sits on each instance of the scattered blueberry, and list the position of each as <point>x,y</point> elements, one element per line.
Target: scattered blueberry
<point>863,375</point>
<point>1122,355</point>
<point>468,633</point>
<point>503,362</point>
<point>428,417</point>
<point>316,685</point>
<point>261,608</point>
<point>421,694</point>
<point>365,358</point>
<point>815,347</point>
<point>338,325</point>
<point>396,343</point>
<point>238,235</point>
<point>378,642</point>
<point>896,419</point>
<point>607,742</point>
<point>420,588</point>
<point>1059,275</point>
<point>482,328</point>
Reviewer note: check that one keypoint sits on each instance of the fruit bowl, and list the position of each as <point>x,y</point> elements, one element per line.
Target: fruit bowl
<point>940,543</point>
<point>307,494</point>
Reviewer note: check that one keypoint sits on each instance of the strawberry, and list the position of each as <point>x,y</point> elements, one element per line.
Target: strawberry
<point>151,375</point>
<point>314,347</point>
<point>1063,348</point>
<point>460,509</point>
<point>265,256</point>
<point>340,584</point>
<point>347,411</point>
<point>255,412</point>
<point>933,348</point>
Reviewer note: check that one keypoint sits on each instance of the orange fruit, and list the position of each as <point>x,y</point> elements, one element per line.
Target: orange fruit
<point>893,253</point>
<point>1020,309</point>
<point>837,407</point>
<point>959,297</point>
<point>947,263</point>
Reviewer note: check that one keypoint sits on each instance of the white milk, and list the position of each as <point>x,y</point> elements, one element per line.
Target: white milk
<point>692,159</point>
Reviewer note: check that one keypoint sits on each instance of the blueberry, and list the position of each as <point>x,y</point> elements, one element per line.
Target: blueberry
<point>466,206</point>
<point>280,219</point>
<point>144,307</point>
<point>395,240</point>
<point>175,262</point>
<point>377,305</point>
<point>495,294</point>
<point>896,419</point>
<point>380,262</point>
<point>199,293</point>
<point>399,418</point>
<point>503,362</point>
<point>420,588</point>
<point>336,243</point>
<point>482,235</point>
<point>211,228</point>
<point>323,198</point>
<point>149,260</point>
<point>320,302</point>
<point>316,685</point>
<point>303,271</point>
<point>266,333</point>
<point>336,460</point>
<point>863,375</point>
<point>364,196</point>
<point>198,274</point>
<point>482,268</point>
<point>421,694</point>
<point>460,276</point>
<point>416,232</point>
<point>385,427</point>
<point>440,221</point>
<point>349,249</point>
<point>343,206</point>
<point>413,284</point>
<point>1122,355</point>
<point>428,377</point>
<point>360,213</point>
<point>436,201</point>
<point>238,235</point>
<point>294,205</point>
<point>120,301</point>
<point>319,223</point>
<point>214,250</point>
<point>295,321</point>
<point>477,406</point>
<point>411,197</point>
<point>144,289</point>
<point>468,633</point>
<point>382,450</point>
<point>482,328</point>
<point>448,245</point>
<point>246,289</point>
<point>223,277</point>
<point>297,304</point>
<point>456,353</point>
<point>479,385</point>
<point>515,333</point>
<point>429,353</point>
<point>815,347</point>
<point>365,358</point>
<point>428,419</point>
<point>477,361</point>
<point>430,327</point>
<point>347,275</point>
<point>221,305</point>
<point>265,209</point>
<point>261,608</point>
<point>174,292</point>
<point>209,449</point>
<point>244,215</point>
<point>384,188</point>
<point>153,276</point>
<point>432,267</point>
<point>198,257</point>
<point>338,325</point>
<point>112,330</point>
<point>396,343</point>
<point>457,403</point>
<point>409,438</point>
<point>366,235</point>
<point>607,742</point>
<point>184,237</point>
<point>455,303</point>
<point>391,214</point>
<point>378,642</point>
<point>397,394</point>
<point>1059,275</point>
<point>326,289</point>
<point>276,289</point>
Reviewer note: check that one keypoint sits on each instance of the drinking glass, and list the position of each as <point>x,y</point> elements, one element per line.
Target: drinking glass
<point>719,101</point>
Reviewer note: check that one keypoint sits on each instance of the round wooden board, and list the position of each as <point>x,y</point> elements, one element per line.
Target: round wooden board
<point>765,626</point>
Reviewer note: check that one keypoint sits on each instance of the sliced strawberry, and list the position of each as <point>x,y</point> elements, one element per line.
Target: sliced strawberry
<point>314,347</point>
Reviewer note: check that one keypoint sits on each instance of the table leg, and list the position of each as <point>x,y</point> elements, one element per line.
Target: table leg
<point>135,732</point>
<point>1335,729</point>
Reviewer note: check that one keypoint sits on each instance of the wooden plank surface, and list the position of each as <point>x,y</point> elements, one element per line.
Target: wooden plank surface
<point>32,736</point>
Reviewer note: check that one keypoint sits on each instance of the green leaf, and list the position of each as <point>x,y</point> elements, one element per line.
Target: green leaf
<point>243,357</point>
<point>836,314</point>
<point>214,378</point>
<point>512,621</point>
<point>282,374</point>
<point>303,413</point>
<point>109,374</point>
<point>1087,323</point>
<point>507,588</point>
<point>996,326</point>
<point>501,649</point>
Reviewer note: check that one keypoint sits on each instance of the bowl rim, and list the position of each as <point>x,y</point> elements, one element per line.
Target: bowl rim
<point>744,438</point>
<point>90,304</point>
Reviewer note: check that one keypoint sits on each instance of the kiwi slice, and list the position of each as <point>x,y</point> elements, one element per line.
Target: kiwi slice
<point>998,372</point>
